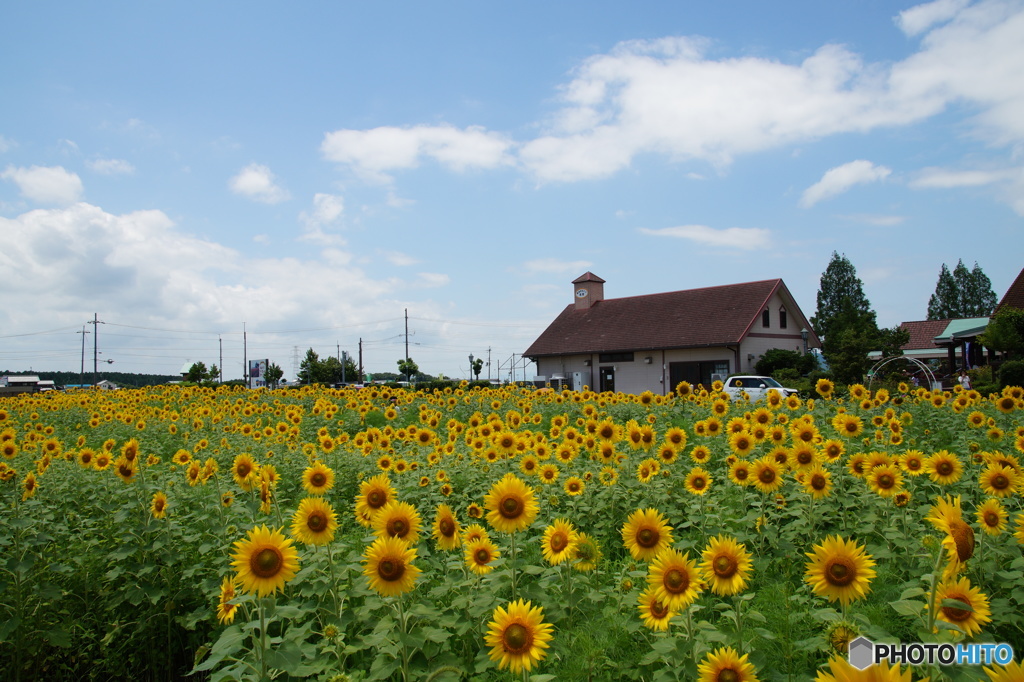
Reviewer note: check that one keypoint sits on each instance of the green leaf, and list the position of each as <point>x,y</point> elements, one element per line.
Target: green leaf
<point>228,644</point>
<point>908,607</point>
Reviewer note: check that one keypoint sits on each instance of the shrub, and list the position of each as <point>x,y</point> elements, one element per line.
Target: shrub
<point>1011,373</point>
<point>775,359</point>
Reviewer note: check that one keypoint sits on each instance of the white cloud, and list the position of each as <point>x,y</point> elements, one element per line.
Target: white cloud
<point>433,279</point>
<point>376,152</point>
<point>397,258</point>
<point>923,17</point>
<point>327,209</point>
<point>6,144</point>
<point>256,182</point>
<point>940,178</point>
<point>45,184</point>
<point>111,167</point>
<point>841,178</point>
<point>746,239</point>
<point>877,220</point>
<point>556,266</point>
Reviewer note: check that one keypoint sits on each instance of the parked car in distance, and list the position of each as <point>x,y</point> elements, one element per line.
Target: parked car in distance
<point>755,386</point>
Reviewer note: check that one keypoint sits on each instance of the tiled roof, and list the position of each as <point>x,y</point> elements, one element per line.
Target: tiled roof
<point>923,333</point>
<point>587,277</point>
<point>712,316</point>
<point>1014,296</point>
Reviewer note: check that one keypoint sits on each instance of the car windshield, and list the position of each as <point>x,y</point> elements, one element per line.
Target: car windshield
<point>771,383</point>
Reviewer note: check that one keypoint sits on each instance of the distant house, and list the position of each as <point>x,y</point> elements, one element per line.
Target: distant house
<point>106,385</point>
<point>656,341</point>
<point>1014,296</point>
<point>12,384</point>
<point>949,340</point>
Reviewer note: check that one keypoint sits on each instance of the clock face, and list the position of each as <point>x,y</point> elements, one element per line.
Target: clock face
<point>581,293</point>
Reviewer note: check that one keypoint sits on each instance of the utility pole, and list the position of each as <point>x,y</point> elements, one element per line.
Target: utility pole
<point>81,375</point>
<point>488,364</point>
<point>245,356</point>
<point>360,359</point>
<point>406,333</point>
<point>220,367</point>
<point>95,322</point>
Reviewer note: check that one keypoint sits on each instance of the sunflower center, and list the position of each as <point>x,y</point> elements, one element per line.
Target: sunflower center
<point>818,482</point>
<point>728,675</point>
<point>242,470</point>
<point>376,499</point>
<point>955,614</point>
<point>999,482</point>
<point>676,581</point>
<point>658,610</point>
<point>391,570</point>
<point>742,474</point>
<point>944,468</point>
<point>517,638</point>
<point>766,476</point>
<point>316,522</point>
<point>267,562</point>
<point>992,519</point>
<point>886,481</point>
<point>559,542</point>
<point>724,566</point>
<point>446,527</point>
<point>698,483</point>
<point>397,528</point>
<point>963,538</point>
<point>647,537</point>
<point>318,479</point>
<point>482,556</point>
<point>511,508</point>
<point>840,571</point>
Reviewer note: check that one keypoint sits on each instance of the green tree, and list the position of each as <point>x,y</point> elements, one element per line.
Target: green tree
<point>477,367</point>
<point>273,375</point>
<point>841,299</point>
<point>779,358</point>
<point>845,320</point>
<point>408,368</point>
<point>214,373</point>
<point>961,293</point>
<point>1005,332</point>
<point>310,371</point>
<point>197,373</point>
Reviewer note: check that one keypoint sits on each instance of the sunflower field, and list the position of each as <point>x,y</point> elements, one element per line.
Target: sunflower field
<point>502,534</point>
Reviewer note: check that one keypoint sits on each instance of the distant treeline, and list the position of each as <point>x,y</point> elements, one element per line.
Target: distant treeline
<point>119,378</point>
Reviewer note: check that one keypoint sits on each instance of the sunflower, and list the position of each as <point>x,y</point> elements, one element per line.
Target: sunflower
<point>700,454</point>
<point>586,554</point>
<point>726,565</point>
<point>474,532</point>
<point>698,481</point>
<point>529,465</point>
<point>840,670</point>
<point>656,613</point>
<point>398,520</point>
<point>548,474</point>
<point>992,516</point>
<point>944,467</point>
<point>739,472</point>
<point>675,578</point>
<point>244,470</point>
<point>388,567</point>
<point>885,479</point>
<point>645,533</point>
<point>446,528</point>
<point>373,494</point>
<point>608,476</point>
<point>971,619</point>
<point>912,462</point>
<point>998,480</point>
<point>479,553</point>
<point>265,561</point>
<point>1011,672</point>
<point>839,634</point>
<point>817,482</point>
<point>314,522</point>
<point>559,542</point>
<point>510,504</point>
<point>766,475</point>
<point>475,511</point>
<point>518,636</point>
<point>158,506</point>
<point>840,570</point>
<point>848,425</point>
<point>947,517</point>
<point>125,469</point>
<point>574,486</point>
<point>724,664</point>
<point>226,607</point>
<point>742,443</point>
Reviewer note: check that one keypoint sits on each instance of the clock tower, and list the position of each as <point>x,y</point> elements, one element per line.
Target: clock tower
<point>587,289</point>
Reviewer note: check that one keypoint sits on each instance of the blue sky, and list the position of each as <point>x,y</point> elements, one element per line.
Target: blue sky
<point>309,172</point>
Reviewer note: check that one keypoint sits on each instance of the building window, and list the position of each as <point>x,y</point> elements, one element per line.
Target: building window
<point>782,318</point>
<point>766,320</point>
<point>615,357</point>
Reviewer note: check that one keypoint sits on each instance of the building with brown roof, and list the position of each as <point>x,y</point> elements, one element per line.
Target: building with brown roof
<point>653,342</point>
<point>1014,296</point>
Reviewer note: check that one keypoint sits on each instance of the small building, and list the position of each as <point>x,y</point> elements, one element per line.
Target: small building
<point>13,384</point>
<point>106,385</point>
<point>654,342</point>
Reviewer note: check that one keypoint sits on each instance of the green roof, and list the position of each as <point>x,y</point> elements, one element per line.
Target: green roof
<point>959,329</point>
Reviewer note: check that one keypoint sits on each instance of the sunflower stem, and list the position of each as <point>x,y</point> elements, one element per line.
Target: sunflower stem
<point>405,652</point>
<point>738,599</point>
<point>512,569</point>
<point>263,641</point>
<point>934,591</point>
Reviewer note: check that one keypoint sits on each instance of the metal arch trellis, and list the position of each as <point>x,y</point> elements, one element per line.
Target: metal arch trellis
<point>882,363</point>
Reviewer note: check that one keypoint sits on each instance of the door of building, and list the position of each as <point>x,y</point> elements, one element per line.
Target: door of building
<point>607,379</point>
